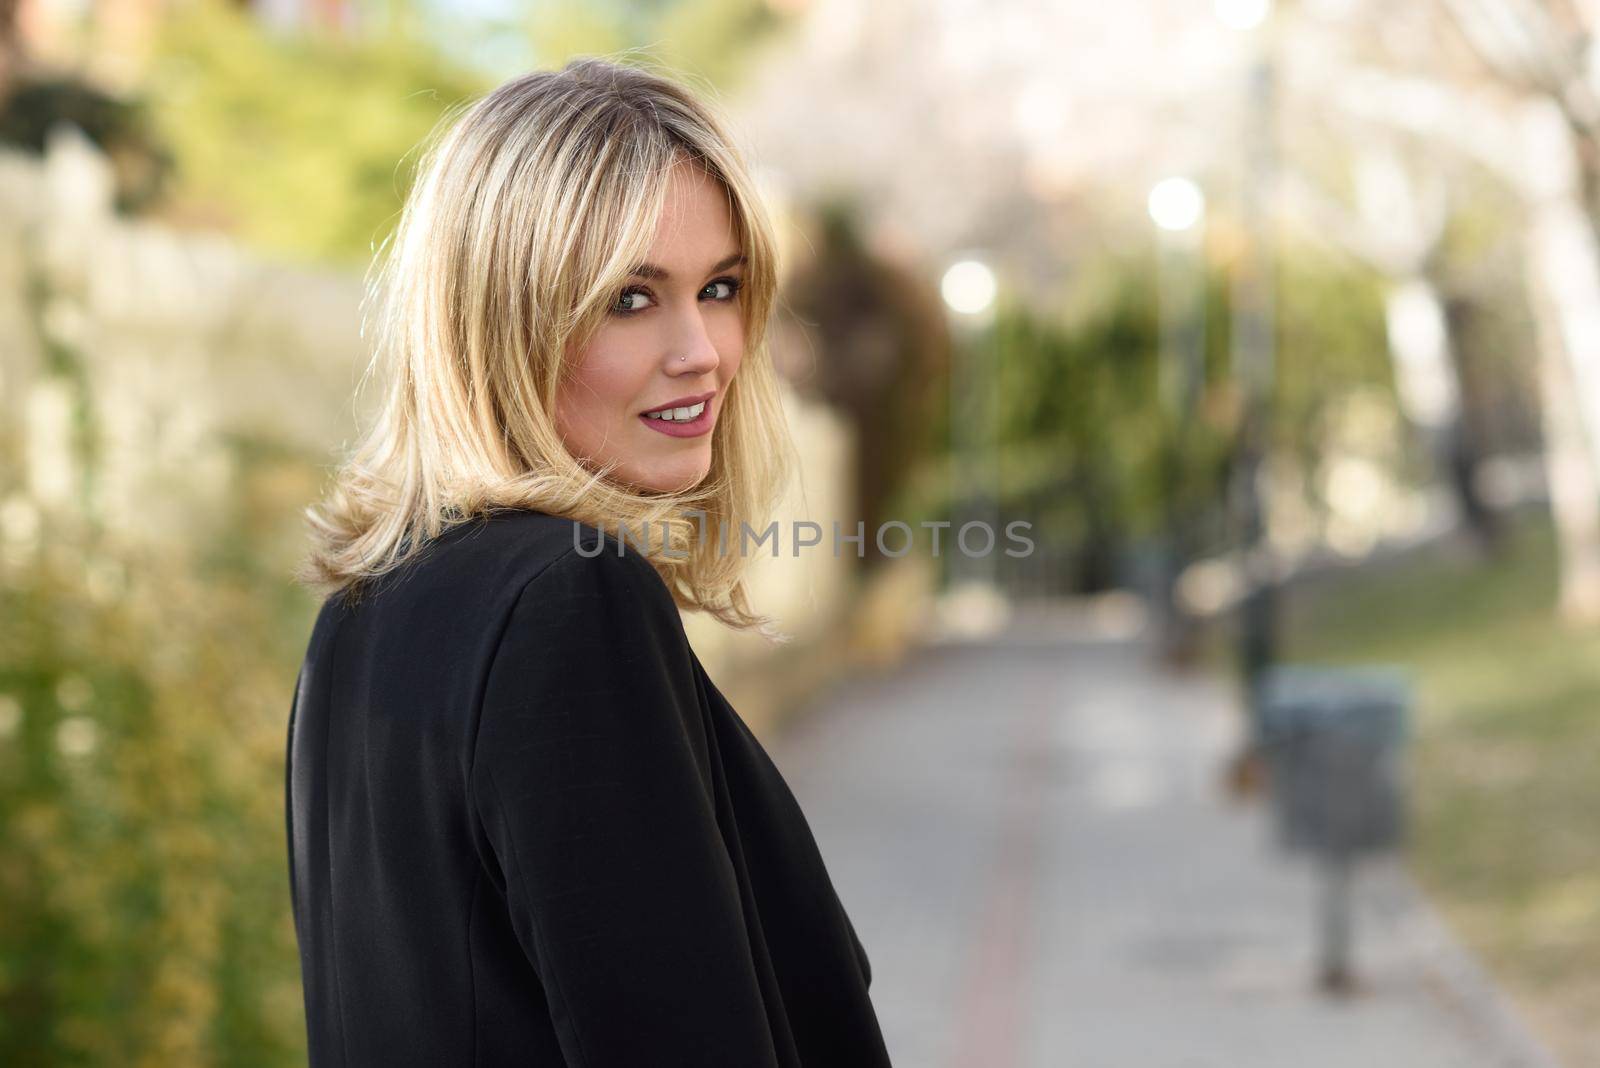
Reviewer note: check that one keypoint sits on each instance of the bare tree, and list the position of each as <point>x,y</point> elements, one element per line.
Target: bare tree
<point>1519,100</point>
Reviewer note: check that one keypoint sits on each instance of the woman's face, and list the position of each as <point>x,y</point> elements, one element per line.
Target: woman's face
<point>672,340</point>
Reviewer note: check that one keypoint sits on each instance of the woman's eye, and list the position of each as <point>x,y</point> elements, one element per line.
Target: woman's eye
<point>721,289</point>
<point>632,300</point>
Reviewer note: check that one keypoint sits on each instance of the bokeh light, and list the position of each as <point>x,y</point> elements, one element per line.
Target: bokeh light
<point>1176,204</point>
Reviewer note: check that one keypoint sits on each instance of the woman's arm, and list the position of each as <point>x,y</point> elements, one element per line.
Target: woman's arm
<point>594,786</point>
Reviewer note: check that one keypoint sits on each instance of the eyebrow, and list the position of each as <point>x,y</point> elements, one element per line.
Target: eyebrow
<point>660,274</point>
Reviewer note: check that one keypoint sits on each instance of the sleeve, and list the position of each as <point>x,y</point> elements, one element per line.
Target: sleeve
<point>288,797</point>
<point>593,782</point>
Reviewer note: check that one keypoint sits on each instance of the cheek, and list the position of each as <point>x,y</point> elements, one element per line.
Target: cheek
<point>606,384</point>
<point>729,341</point>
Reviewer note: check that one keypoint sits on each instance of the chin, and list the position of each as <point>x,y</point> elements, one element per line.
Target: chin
<point>671,478</point>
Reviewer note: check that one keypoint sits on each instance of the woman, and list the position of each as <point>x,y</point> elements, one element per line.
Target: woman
<point>524,826</point>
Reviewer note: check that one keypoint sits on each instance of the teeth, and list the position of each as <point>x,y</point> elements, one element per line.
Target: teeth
<point>678,415</point>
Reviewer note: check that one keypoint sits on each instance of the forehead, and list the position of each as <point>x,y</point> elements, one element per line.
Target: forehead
<point>696,220</point>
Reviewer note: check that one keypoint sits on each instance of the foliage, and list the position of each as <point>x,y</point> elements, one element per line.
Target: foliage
<point>296,140</point>
<point>144,694</point>
<point>712,40</point>
<point>1331,342</point>
<point>1088,452</point>
<point>144,904</point>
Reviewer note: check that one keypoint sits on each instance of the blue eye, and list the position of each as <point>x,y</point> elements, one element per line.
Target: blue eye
<point>628,301</point>
<point>637,299</point>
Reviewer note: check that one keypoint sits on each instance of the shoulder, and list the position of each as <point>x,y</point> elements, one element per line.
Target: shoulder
<point>475,576</point>
<point>516,550</point>
<point>550,580</point>
<point>504,543</point>
<point>598,585</point>
<point>594,629</point>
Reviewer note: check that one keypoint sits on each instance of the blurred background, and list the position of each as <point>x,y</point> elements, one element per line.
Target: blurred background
<point>1277,320</point>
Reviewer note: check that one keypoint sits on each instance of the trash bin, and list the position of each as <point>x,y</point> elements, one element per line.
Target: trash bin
<point>1334,740</point>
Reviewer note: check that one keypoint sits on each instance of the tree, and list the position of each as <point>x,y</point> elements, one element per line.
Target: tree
<point>297,142</point>
<point>1520,100</point>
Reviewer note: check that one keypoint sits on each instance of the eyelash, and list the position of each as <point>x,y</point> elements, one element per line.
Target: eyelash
<point>734,286</point>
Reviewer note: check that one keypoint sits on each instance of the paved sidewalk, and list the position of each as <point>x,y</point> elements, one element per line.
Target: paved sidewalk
<point>1030,835</point>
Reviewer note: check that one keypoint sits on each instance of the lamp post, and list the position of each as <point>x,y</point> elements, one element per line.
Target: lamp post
<point>1253,358</point>
<point>968,288</point>
<point>1178,208</point>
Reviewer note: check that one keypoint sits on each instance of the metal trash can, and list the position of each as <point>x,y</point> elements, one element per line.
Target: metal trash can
<point>1334,739</point>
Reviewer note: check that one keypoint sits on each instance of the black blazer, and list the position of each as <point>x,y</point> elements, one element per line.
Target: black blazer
<point>524,828</point>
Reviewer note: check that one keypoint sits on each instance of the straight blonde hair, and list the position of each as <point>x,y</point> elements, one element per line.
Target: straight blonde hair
<point>528,214</point>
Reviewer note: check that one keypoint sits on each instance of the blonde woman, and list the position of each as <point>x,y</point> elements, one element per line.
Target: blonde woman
<point>524,826</point>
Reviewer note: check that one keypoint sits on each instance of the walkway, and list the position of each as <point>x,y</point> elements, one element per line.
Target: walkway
<point>1031,839</point>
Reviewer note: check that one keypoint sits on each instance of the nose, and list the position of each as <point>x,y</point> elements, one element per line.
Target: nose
<point>691,351</point>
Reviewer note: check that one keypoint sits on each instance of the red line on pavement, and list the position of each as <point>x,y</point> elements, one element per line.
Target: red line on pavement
<point>991,1013</point>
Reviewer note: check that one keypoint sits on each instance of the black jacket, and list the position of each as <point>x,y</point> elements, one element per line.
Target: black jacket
<point>526,829</point>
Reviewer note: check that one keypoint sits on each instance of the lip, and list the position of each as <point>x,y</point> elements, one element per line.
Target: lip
<point>682,402</point>
<point>700,424</point>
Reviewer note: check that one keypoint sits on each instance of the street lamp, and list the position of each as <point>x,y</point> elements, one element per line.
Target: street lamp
<point>1254,359</point>
<point>1178,208</point>
<point>968,288</point>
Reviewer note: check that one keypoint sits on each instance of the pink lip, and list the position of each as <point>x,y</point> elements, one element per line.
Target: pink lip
<point>682,402</point>
<point>692,429</point>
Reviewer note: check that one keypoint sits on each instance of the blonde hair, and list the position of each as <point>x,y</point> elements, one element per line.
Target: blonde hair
<point>527,216</point>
